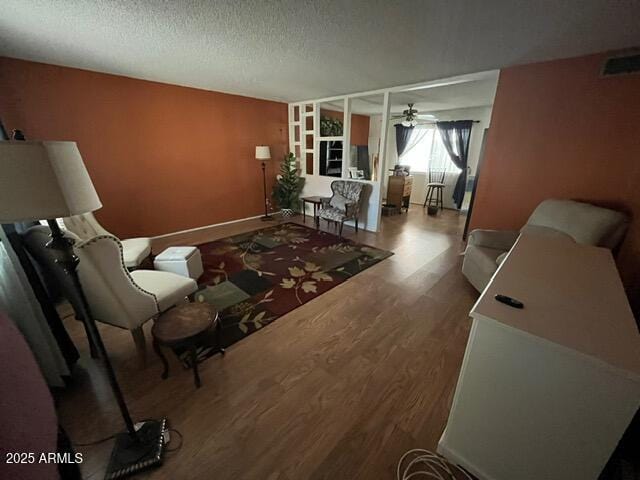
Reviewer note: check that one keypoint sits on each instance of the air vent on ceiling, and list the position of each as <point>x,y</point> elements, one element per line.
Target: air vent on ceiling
<point>622,64</point>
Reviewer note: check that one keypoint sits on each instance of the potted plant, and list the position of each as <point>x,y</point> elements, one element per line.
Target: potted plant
<point>330,127</point>
<point>288,186</point>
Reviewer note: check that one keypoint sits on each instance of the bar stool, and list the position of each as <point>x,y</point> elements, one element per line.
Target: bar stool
<point>435,185</point>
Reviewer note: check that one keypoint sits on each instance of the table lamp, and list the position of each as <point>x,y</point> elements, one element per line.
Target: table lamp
<point>263,153</point>
<point>48,180</point>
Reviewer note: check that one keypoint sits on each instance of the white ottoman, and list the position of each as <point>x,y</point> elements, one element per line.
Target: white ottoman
<point>185,261</point>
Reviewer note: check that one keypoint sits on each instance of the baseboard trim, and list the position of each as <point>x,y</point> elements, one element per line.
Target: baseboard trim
<point>189,230</point>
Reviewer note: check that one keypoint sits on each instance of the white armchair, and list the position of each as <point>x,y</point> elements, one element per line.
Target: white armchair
<point>580,222</point>
<point>122,298</point>
<point>134,250</point>
<point>115,295</point>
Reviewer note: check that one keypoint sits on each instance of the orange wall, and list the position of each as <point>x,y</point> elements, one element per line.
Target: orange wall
<point>163,158</point>
<point>559,130</point>
<point>359,129</point>
<point>359,125</point>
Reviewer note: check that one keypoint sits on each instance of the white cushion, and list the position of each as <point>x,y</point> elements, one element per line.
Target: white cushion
<point>169,288</point>
<point>585,223</point>
<point>339,202</point>
<point>545,232</point>
<point>135,250</point>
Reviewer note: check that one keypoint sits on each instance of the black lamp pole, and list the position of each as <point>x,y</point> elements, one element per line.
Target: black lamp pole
<point>134,449</point>
<point>266,215</point>
<point>68,261</point>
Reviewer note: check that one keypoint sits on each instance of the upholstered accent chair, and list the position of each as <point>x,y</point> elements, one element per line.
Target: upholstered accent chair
<point>581,222</point>
<point>115,296</point>
<point>344,204</point>
<point>85,226</point>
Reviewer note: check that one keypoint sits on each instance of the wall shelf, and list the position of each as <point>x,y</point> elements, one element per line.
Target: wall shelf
<point>330,139</point>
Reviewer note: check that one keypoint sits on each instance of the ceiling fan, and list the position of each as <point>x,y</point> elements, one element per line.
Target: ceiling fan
<point>411,117</point>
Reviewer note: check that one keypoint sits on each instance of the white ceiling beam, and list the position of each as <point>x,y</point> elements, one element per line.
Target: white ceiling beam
<point>473,77</point>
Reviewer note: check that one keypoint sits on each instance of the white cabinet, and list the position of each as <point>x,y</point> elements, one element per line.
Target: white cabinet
<point>546,392</point>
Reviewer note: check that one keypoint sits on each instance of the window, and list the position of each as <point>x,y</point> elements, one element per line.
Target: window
<point>426,151</point>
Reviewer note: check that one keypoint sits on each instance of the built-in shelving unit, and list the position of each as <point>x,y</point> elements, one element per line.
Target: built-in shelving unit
<point>325,158</point>
<point>331,155</point>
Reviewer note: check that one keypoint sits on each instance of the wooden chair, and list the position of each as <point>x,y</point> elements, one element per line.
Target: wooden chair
<point>435,185</point>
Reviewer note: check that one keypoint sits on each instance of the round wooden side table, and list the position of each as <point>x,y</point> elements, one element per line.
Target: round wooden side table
<point>185,326</point>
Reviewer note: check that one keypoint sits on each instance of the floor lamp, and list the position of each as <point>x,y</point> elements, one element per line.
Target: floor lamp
<point>263,153</point>
<point>48,180</point>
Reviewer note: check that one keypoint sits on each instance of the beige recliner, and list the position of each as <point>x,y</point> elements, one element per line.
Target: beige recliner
<point>582,222</point>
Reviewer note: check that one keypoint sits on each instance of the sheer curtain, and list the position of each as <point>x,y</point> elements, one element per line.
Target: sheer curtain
<point>416,138</point>
<point>425,151</point>
<point>18,301</point>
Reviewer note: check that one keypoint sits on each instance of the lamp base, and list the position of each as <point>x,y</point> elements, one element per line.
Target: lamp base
<point>266,218</point>
<point>130,456</point>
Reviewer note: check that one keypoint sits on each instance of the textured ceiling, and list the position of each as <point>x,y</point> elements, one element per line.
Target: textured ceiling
<point>296,49</point>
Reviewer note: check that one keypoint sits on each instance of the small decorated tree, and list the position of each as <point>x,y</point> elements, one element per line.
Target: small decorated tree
<point>286,191</point>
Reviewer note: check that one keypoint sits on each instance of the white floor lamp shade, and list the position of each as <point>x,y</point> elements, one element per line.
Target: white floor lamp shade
<point>43,180</point>
<point>263,152</point>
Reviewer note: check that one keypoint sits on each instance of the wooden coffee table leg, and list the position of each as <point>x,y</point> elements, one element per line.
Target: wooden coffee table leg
<point>156,348</point>
<point>194,365</point>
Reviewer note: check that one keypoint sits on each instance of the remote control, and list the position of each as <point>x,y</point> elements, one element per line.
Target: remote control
<point>512,302</point>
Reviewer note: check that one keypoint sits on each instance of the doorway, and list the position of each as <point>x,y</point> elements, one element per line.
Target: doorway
<point>420,114</point>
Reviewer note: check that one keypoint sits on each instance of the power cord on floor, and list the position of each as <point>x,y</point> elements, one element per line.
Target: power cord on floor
<point>179,446</point>
<point>429,464</point>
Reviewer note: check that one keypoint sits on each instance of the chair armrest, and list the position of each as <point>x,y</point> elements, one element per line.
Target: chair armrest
<point>498,239</point>
<point>325,202</point>
<point>351,209</point>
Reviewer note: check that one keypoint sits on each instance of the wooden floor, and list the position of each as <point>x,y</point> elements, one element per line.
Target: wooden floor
<point>339,388</point>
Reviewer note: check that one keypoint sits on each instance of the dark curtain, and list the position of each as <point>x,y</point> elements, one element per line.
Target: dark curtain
<point>457,134</point>
<point>402,137</point>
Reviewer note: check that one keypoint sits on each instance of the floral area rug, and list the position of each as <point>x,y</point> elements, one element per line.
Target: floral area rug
<point>256,277</point>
